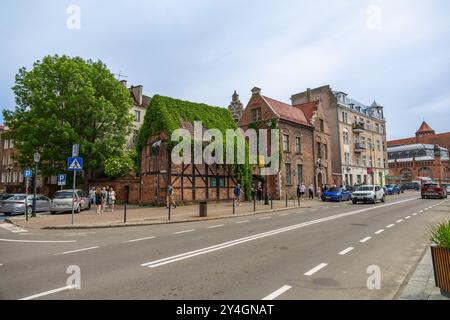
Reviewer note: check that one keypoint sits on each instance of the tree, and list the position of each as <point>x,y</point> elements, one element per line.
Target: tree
<point>63,101</point>
<point>117,166</point>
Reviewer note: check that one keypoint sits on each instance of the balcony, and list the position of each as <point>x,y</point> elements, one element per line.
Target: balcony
<point>358,127</point>
<point>360,147</point>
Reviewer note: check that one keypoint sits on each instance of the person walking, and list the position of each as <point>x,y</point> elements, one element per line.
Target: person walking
<point>260,192</point>
<point>311,192</point>
<point>92,196</point>
<point>98,200</point>
<point>299,195</point>
<point>170,197</point>
<point>104,199</point>
<point>302,191</point>
<point>111,199</point>
<point>237,195</point>
<point>319,192</point>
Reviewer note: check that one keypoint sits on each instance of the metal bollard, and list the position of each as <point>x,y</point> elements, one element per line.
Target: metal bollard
<point>234,207</point>
<point>286,201</point>
<point>125,213</point>
<point>271,203</point>
<point>254,202</point>
<point>170,206</point>
<point>299,204</point>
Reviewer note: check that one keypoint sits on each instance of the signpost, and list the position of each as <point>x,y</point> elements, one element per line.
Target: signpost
<point>74,164</point>
<point>27,173</point>
<point>62,179</point>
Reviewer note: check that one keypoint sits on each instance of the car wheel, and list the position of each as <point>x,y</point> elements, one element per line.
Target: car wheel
<point>78,209</point>
<point>52,212</point>
<point>383,199</point>
<point>30,210</point>
<point>7,214</point>
<point>354,201</point>
<point>374,200</point>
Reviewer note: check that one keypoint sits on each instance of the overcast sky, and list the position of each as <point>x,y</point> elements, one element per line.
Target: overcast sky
<point>394,52</point>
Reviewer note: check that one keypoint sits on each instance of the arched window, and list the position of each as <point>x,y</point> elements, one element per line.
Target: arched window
<point>345,137</point>
<point>406,174</point>
<point>425,172</point>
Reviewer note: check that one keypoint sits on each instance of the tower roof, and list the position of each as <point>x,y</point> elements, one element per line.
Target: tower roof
<point>425,128</point>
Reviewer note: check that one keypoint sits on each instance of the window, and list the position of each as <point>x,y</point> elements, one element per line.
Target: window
<point>299,173</point>
<point>370,143</point>
<point>286,142</point>
<point>345,117</point>
<point>364,161</point>
<point>378,145</point>
<point>357,160</point>
<point>298,145</point>
<point>137,116</point>
<point>345,137</point>
<point>325,151</point>
<point>322,125</point>
<point>11,144</point>
<point>3,177</point>
<point>347,158</point>
<point>371,162</point>
<point>363,141</point>
<point>319,150</point>
<point>379,163</point>
<point>382,129</point>
<point>256,114</point>
<point>369,126</point>
<point>425,172</point>
<point>288,174</point>
<point>377,127</point>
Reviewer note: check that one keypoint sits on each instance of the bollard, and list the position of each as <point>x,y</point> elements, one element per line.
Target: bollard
<point>125,213</point>
<point>254,202</point>
<point>286,201</point>
<point>299,204</point>
<point>203,208</point>
<point>234,207</point>
<point>271,203</point>
<point>170,206</point>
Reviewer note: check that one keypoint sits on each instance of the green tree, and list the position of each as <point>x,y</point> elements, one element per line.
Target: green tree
<point>63,101</point>
<point>117,166</point>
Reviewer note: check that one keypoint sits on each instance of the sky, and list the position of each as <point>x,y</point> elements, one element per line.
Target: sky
<point>394,52</point>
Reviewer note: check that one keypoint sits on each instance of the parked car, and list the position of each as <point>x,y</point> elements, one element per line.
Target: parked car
<point>447,187</point>
<point>62,201</point>
<point>16,204</point>
<point>410,186</point>
<point>392,189</point>
<point>336,194</point>
<point>433,190</point>
<point>5,196</point>
<point>369,193</point>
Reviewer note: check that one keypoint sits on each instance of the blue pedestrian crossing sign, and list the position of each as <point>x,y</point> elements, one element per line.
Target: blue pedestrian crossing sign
<point>62,178</point>
<point>75,164</point>
<point>27,173</point>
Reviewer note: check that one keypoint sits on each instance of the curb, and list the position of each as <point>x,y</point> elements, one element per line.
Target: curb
<point>148,222</point>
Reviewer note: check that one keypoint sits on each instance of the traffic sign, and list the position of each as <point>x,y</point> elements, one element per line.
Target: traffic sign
<point>27,173</point>
<point>62,178</point>
<point>75,150</point>
<point>75,164</point>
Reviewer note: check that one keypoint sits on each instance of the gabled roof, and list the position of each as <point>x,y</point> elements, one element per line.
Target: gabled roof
<point>425,128</point>
<point>308,109</point>
<point>287,112</point>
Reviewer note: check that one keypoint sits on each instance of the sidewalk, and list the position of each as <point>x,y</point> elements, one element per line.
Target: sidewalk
<point>152,215</point>
<point>421,285</point>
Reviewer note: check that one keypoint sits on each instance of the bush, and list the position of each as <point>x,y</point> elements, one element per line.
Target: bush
<point>440,235</point>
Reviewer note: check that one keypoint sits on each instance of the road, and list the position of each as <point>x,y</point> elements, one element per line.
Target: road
<point>298,254</point>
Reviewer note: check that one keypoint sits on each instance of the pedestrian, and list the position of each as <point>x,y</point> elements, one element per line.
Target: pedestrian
<point>298,192</point>
<point>319,192</point>
<point>302,191</point>
<point>237,194</point>
<point>170,197</point>
<point>311,192</point>
<point>92,196</point>
<point>111,198</point>
<point>104,199</point>
<point>260,192</point>
<point>98,200</point>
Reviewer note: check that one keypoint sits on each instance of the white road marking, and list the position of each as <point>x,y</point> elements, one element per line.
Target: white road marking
<point>379,231</point>
<point>421,211</point>
<point>408,217</point>
<point>314,209</point>
<point>184,231</point>
<point>137,240</point>
<point>217,226</point>
<point>277,293</point>
<point>265,218</point>
<point>344,252</point>
<point>12,228</point>
<point>221,246</point>
<point>390,226</point>
<point>400,221</point>
<point>365,239</point>
<point>315,269</point>
<point>37,241</point>
<point>1,264</point>
<point>244,221</point>
<point>415,214</point>
<point>426,209</point>
<point>284,214</point>
<point>46,293</point>
<point>75,251</point>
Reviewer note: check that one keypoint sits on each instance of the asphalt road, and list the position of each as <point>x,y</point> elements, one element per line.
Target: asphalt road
<point>297,254</point>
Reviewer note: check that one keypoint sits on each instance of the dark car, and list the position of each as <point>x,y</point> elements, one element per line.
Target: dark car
<point>336,194</point>
<point>410,186</point>
<point>433,190</point>
<point>392,189</point>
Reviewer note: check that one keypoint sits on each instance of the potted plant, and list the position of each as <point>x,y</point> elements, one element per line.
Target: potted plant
<point>440,252</point>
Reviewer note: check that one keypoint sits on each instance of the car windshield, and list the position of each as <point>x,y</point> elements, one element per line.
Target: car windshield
<point>63,195</point>
<point>365,188</point>
<point>21,197</point>
<point>430,185</point>
<point>390,186</point>
<point>5,196</point>
<point>335,190</point>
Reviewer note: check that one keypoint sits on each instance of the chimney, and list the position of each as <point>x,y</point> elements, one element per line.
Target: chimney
<point>123,82</point>
<point>308,94</point>
<point>256,91</point>
<point>137,93</point>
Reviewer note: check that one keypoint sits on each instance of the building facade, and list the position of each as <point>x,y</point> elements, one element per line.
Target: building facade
<point>11,173</point>
<point>358,136</point>
<point>236,107</point>
<point>426,135</point>
<point>300,161</point>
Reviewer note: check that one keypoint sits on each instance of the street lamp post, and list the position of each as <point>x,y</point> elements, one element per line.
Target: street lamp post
<point>36,158</point>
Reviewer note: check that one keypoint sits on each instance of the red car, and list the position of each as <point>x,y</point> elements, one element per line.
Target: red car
<point>433,190</point>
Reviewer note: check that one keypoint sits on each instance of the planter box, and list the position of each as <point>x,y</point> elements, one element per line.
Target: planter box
<point>441,266</point>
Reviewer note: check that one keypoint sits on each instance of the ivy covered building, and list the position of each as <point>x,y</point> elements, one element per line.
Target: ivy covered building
<point>191,182</point>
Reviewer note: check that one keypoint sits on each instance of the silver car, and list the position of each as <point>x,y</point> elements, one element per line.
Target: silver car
<point>62,201</point>
<point>16,204</point>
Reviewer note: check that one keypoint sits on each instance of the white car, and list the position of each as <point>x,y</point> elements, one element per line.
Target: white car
<point>62,201</point>
<point>368,193</point>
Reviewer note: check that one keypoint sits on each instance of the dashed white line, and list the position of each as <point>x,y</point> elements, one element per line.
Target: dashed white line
<point>37,241</point>
<point>265,218</point>
<point>244,221</point>
<point>415,214</point>
<point>400,221</point>
<point>390,226</point>
<point>408,217</point>
<point>1,264</point>
<point>284,214</point>
<point>141,239</point>
<point>184,231</point>
<point>315,269</point>
<point>75,251</point>
<point>379,231</point>
<point>421,211</point>
<point>344,252</point>
<point>365,239</point>
<point>217,226</point>
<point>277,293</point>
<point>46,293</point>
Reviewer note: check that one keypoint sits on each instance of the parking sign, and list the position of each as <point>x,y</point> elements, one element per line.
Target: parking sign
<point>27,173</point>
<point>62,178</point>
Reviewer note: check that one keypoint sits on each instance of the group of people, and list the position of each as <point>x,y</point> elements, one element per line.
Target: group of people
<point>102,198</point>
<point>301,190</point>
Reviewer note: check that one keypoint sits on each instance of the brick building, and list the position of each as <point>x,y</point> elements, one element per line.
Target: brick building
<point>358,136</point>
<point>236,107</point>
<point>301,161</point>
<point>421,157</point>
<point>11,173</point>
